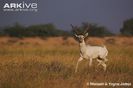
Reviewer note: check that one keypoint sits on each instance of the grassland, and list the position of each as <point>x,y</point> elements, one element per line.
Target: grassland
<point>50,63</point>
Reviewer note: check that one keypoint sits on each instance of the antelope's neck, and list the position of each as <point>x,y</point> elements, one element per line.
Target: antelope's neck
<point>82,46</point>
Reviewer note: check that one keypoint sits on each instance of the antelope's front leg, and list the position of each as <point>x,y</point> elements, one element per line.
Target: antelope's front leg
<point>80,59</point>
<point>90,63</point>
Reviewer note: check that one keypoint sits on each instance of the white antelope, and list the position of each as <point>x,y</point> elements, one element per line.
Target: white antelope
<point>91,52</point>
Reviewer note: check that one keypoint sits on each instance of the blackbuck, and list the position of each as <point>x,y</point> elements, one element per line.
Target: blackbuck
<point>90,52</point>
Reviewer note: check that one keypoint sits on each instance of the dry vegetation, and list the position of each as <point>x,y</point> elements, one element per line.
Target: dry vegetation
<point>50,63</point>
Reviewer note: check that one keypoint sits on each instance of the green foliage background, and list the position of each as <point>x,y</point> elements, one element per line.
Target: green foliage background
<point>127,28</point>
<point>42,30</point>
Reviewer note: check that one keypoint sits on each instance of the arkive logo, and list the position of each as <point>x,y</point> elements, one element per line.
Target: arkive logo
<point>22,6</point>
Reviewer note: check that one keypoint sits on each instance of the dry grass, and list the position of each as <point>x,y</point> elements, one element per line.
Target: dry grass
<point>50,63</point>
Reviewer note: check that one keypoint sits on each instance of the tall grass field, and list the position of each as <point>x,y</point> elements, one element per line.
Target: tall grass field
<point>50,63</point>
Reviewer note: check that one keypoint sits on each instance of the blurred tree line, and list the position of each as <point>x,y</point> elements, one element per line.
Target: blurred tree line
<point>127,28</point>
<point>47,30</point>
<point>44,30</point>
<point>50,30</point>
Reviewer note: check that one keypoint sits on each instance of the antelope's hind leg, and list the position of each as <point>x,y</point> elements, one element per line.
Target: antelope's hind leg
<point>102,62</point>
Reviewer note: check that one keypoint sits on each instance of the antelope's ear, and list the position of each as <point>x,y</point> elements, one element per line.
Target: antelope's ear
<point>86,34</point>
<point>75,35</point>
